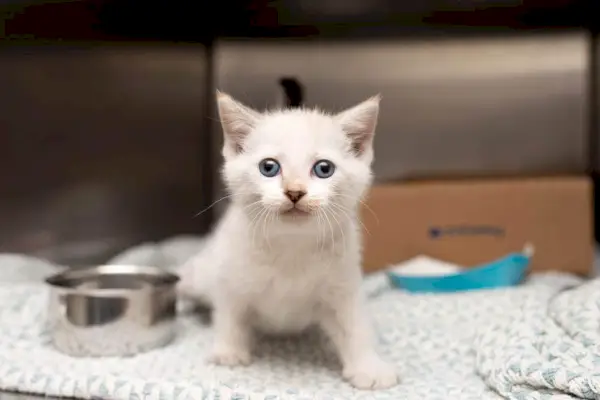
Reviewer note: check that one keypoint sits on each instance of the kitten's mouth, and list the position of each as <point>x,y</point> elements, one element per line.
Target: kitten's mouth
<point>295,212</point>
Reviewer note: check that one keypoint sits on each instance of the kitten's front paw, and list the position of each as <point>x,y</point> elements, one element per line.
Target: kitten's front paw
<point>371,374</point>
<point>229,357</point>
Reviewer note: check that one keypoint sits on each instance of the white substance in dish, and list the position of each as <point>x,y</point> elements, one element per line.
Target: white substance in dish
<point>425,266</point>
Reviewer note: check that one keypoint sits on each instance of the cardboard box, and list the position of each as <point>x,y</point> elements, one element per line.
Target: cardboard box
<point>470,222</point>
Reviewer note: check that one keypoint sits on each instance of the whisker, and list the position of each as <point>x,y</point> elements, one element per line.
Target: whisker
<point>255,221</point>
<point>346,211</point>
<point>370,210</point>
<point>212,205</point>
<point>218,201</point>
<point>333,241</point>
<point>361,202</point>
<point>321,234</point>
<point>333,215</point>
<point>265,223</point>
<point>253,204</point>
<point>277,216</point>
<point>253,210</point>
<point>330,227</point>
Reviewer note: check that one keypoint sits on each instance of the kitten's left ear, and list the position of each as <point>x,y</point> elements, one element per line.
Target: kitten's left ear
<point>359,124</point>
<point>237,121</point>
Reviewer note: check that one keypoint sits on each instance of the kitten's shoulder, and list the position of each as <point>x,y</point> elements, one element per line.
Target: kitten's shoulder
<point>229,229</point>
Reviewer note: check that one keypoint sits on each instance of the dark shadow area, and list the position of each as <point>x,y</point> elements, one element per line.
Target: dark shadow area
<point>200,21</point>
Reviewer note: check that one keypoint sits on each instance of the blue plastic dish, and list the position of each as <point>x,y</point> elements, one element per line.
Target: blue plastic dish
<point>504,272</point>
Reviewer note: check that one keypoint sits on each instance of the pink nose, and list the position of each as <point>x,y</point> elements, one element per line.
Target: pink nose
<point>294,195</point>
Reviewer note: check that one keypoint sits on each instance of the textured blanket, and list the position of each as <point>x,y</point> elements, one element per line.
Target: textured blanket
<point>537,341</point>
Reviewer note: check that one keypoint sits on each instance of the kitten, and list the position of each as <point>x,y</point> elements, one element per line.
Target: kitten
<point>287,253</point>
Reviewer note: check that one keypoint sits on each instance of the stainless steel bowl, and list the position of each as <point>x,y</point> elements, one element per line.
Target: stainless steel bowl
<point>112,310</point>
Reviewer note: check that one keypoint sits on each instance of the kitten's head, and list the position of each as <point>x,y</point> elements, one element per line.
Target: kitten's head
<point>298,164</point>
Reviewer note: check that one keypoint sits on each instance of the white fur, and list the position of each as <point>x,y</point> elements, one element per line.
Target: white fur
<point>264,270</point>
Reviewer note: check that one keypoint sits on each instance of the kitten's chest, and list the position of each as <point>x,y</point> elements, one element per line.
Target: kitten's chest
<point>290,278</point>
<point>285,305</point>
<point>286,298</point>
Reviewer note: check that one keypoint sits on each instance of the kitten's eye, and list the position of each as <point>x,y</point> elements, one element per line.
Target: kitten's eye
<point>269,167</point>
<point>323,169</point>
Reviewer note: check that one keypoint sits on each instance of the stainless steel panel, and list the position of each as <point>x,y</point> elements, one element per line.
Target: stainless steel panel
<point>469,106</point>
<point>100,147</point>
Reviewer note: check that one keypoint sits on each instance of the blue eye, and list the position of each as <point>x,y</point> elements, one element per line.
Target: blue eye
<point>269,167</point>
<point>323,169</point>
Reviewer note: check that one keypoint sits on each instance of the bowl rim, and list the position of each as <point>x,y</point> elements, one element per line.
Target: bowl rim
<point>57,281</point>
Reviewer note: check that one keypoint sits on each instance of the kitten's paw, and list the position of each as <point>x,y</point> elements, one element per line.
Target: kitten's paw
<point>372,374</point>
<point>230,357</point>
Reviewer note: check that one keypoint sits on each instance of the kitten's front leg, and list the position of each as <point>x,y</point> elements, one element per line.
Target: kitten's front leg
<point>345,322</point>
<point>233,334</point>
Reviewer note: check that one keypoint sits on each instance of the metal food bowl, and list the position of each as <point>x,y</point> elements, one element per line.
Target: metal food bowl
<point>112,310</point>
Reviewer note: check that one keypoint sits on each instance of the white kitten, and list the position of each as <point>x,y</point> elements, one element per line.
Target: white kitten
<point>287,253</point>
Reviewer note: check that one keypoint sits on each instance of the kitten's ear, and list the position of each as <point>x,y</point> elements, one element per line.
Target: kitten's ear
<point>359,124</point>
<point>237,121</point>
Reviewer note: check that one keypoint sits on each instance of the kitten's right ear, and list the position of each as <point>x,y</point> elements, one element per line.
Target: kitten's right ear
<point>237,121</point>
<point>359,124</point>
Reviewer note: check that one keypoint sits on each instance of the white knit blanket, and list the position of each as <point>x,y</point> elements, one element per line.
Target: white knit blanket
<point>531,342</point>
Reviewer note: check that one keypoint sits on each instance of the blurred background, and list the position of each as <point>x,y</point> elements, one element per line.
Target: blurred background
<point>108,133</point>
